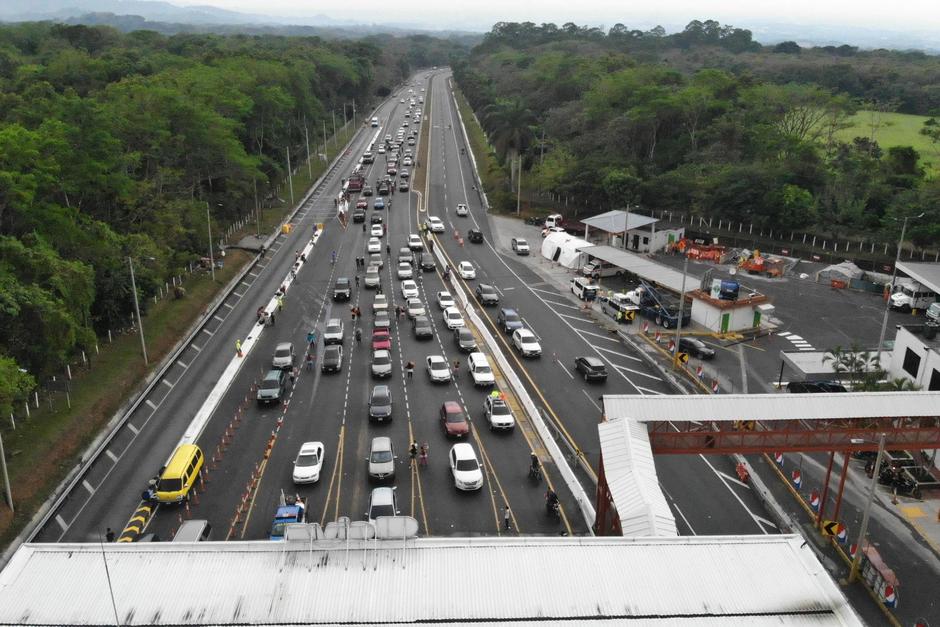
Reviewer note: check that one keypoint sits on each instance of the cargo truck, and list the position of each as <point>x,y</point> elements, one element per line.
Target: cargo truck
<point>909,294</point>
<point>657,306</point>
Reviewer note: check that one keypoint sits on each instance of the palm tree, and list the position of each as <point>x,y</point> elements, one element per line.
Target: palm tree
<point>509,126</point>
<point>862,367</point>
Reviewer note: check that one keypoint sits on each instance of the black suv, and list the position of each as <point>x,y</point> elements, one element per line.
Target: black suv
<point>332,358</point>
<point>341,290</point>
<point>272,387</point>
<point>696,348</point>
<point>814,387</point>
<point>487,294</point>
<point>427,262</point>
<point>375,219</point>
<point>359,215</point>
<point>592,368</point>
<point>422,328</point>
<point>475,236</point>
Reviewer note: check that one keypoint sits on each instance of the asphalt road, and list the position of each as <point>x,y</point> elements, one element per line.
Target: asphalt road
<point>245,485</point>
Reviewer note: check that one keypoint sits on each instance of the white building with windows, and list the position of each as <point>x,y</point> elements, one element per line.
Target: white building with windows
<point>916,356</point>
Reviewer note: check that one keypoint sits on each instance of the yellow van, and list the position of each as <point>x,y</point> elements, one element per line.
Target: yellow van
<point>180,474</point>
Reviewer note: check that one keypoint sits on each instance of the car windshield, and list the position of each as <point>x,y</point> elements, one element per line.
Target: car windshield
<point>170,485</point>
<point>307,459</point>
<point>482,369</point>
<point>333,328</point>
<point>500,408</point>
<point>282,352</point>
<point>382,360</point>
<point>381,510</point>
<point>380,398</point>
<point>381,457</point>
<point>467,464</point>
<point>270,384</point>
<point>342,283</point>
<point>455,417</point>
<point>512,317</point>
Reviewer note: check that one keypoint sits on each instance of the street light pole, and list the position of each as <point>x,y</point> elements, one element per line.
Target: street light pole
<point>894,274</point>
<point>211,258</point>
<point>853,574</point>
<point>685,270</point>
<point>140,324</point>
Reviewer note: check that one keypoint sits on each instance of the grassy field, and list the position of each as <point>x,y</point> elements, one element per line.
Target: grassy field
<point>897,129</point>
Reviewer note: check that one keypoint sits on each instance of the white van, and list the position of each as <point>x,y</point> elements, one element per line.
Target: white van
<point>583,288</point>
<point>480,370</point>
<point>193,531</point>
<point>933,312</point>
<point>375,122</point>
<point>597,269</point>
<point>553,220</point>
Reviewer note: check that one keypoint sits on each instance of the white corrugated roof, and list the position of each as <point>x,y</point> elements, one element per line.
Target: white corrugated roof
<point>772,406</point>
<point>924,273</point>
<point>697,580</point>
<point>618,221</point>
<point>644,267</point>
<point>631,478</point>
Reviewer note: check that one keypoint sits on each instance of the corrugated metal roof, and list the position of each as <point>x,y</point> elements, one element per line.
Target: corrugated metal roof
<point>924,273</point>
<point>631,478</point>
<point>644,267</point>
<point>707,580</point>
<point>618,221</point>
<point>772,406</point>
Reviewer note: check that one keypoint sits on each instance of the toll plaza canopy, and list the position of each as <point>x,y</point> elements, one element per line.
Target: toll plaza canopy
<point>643,267</point>
<point>927,274</point>
<point>696,580</point>
<point>618,221</point>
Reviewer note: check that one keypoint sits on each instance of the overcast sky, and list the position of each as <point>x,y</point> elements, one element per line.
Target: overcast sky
<point>480,14</point>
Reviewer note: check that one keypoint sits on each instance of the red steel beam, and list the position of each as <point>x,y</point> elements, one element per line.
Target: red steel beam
<point>846,435</point>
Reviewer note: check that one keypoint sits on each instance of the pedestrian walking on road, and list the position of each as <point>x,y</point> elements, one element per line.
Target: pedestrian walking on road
<point>309,362</point>
<point>280,303</point>
<point>293,376</point>
<point>109,535</point>
<point>456,367</point>
<point>311,338</point>
<point>388,250</point>
<point>357,280</point>
<point>358,335</point>
<point>424,454</point>
<point>413,452</point>
<point>507,516</point>
<point>410,369</point>
<point>238,347</point>
<point>271,317</point>
<point>263,251</point>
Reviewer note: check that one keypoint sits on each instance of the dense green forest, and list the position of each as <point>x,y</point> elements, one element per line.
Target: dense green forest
<point>709,121</point>
<point>111,145</point>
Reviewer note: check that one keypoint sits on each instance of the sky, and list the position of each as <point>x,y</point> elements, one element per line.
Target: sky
<point>901,15</point>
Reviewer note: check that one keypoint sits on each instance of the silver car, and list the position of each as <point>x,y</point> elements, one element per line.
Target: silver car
<point>373,279</point>
<point>381,363</point>
<point>334,332</point>
<point>405,271</point>
<point>381,459</point>
<point>283,356</point>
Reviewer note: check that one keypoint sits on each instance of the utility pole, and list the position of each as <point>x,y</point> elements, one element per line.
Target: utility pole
<point>354,110</point>
<point>140,324</point>
<point>254,183</point>
<point>685,270</point>
<point>211,257</point>
<point>542,146</point>
<point>345,120</point>
<point>333,115</point>
<point>853,574</point>
<point>307,141</point>
<point>6,476</point>
<point>290,178</point>
<point>894,274</point>
<point>324,138</point>
<point>519,188</point>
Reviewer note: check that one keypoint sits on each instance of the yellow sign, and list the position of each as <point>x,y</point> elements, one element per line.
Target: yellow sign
<point>684,358</point>
<point>630,315</point>
<point>830,527</point>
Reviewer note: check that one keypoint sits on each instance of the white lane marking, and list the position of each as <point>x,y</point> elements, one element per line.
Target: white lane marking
<point>642,374</point>
<point>183,365</point>
<point>649,391</point>
<point>61,522</point>
<point>218,318</point>
<point>133,429</point>
<point>607,350</point>
<point>198,350</point>
<point>207,332</point>
<point>151,404</point>
<point>88,486</point>
<point>757,519</point>
<point>167,383</point>
<point>783,333</point>
<point>794,338</point>
<point>563,369</point>
<point>113,457</point>
<point>229,306</point>
<point>566,305</point>
<point>592,401</point>
<point>237,294</point>
<point>676,506</point>
<point>734,479</point>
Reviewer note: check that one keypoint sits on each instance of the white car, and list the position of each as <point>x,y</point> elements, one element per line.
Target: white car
<point>377,230</point>
<point>407,161</point>
<point>480,370</point>
<point>382,503</point>
<point>438,369</point>
<point>334,331</point>
<point>380,303</point>
<point>462,210</point>
<point>498,414</point>
<point>381,459</point>
<point>452,318</point>
<point>405,271</point>
<point>381,363</point>
<point>381,150</point>
<point>465,467</point>
<point>445,300</point>
<point>415,308</point>
<point>520,246</point>
<point>309,463</point>
<point>415,243</point>
<point>552,229</point>
<point>373,279</point>
<point>435,224</point>
<point>374,245</point>
<point>409,289</point>
<point>466,270</point>
<point>526,343</point>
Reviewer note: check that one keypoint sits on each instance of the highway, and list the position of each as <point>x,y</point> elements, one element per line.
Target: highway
<point>258,445</point>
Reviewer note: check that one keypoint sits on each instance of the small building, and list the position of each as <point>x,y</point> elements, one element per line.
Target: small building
<point>916,356</point>
<point>565,249</point>
<point>725,316</point>
<point>630,231</point>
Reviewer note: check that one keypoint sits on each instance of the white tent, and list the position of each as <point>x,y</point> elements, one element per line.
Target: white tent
<point>563,248</point>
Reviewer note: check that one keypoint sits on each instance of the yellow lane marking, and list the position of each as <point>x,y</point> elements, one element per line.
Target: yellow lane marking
<point>254,496</point>
<point>333,475</point>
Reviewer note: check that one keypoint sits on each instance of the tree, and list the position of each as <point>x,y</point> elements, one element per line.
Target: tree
<point>15,384</point>
<point>862,368</point>
<point>787,47</point>
<point>509,125</point>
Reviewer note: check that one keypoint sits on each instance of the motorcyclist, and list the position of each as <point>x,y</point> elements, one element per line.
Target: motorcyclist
<point>551,501</point>
<point>333,257</point>
<point>534,465</point>
<point>447,273</point>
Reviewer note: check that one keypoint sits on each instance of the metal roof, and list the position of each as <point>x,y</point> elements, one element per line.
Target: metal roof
<point>924,273</point>
<point>619,221</point>
<point>718,580</point>
<point>813,364</point>
<point>631,478</point>
<point>643,267</point>
<point>772,406</point>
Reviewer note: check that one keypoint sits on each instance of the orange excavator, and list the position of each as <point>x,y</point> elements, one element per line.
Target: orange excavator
<point>755,263</point>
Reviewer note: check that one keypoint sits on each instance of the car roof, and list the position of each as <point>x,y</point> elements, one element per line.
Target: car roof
<point>522,331</point>
<point>463,450</point>
<point>378,352</point>
<point>381,496</point>
<point>379,332</point>
<point>452,406</point>
<point>283,345</point>
<point>509,310</point>
<point>477,356</point>
<point>381,443</point>
<point>381,389</point>
<point>309,447</point>
<point>593,361</point>
<point>274,374</point>
<point>438,358</point>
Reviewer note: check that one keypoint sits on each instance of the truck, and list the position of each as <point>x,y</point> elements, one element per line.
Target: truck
<point>909,294</point>
<point>292,511</point>
<point>355,182</point>
<point>556,220</point>
<point>656,306</point>
<point>617,306</point>
<point>597,269</point>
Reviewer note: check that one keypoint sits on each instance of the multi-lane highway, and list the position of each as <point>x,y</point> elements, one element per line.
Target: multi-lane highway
<point>258,444</point>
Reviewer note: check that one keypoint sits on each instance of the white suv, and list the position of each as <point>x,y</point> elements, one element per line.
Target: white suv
<point>334,331</point>
<point>480,370</point>
<point>498,414</point>
<point>526,343</point>
<point>435,224</point>
<point>465,467</point>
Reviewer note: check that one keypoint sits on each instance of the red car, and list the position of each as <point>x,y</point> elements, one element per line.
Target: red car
<point>453,420</point>
<point>381,340</point>
<point>362,203</point>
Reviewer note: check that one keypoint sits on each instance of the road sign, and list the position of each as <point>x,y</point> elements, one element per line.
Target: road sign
<point>832,528</point>
<point>630,315</point>
<point>684,358</point>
